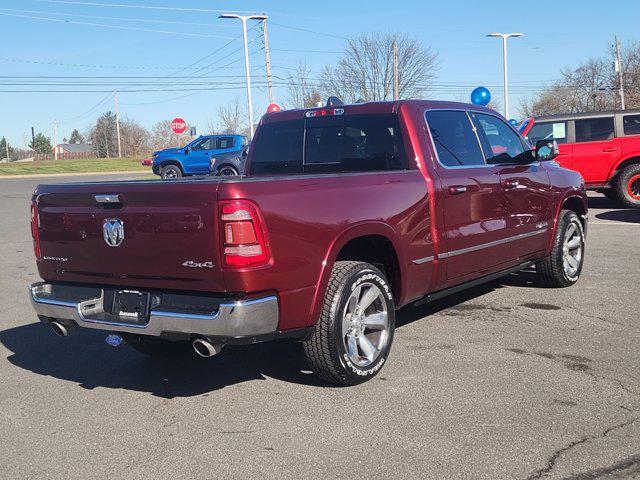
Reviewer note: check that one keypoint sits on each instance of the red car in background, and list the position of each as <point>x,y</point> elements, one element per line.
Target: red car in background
<point>604,147</point>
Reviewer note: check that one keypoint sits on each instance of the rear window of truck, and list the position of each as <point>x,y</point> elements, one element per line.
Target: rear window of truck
<point>344,143</point>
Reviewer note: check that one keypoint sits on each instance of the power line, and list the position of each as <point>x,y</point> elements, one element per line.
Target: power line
<point>300,29</point>
<point>86,65</point>
<point>145,7</point>
<point>88,112</point>
<point>119,27</point>
<point>139,20</point>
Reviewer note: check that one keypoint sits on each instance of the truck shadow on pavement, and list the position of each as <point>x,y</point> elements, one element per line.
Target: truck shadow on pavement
<point>84,358</point>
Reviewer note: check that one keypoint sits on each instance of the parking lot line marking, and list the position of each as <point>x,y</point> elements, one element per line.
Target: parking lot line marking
<point>626,224</point>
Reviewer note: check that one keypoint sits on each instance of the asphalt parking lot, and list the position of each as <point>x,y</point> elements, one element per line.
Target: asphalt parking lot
<point>505,381</point>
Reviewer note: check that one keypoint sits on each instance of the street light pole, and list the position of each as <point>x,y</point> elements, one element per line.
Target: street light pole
<point>243,19</point>
<point>504,37</point>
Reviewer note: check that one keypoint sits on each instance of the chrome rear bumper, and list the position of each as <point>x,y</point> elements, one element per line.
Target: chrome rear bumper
<point>85,307</point>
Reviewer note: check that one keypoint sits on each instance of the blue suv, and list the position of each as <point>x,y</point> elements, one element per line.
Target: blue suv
<point>195,157</point>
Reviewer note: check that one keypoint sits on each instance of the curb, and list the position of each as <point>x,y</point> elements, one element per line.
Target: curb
<point>72,174</point>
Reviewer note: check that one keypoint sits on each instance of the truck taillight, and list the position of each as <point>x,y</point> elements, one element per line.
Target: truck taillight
<point>35,230</point>
<point>244,240</point>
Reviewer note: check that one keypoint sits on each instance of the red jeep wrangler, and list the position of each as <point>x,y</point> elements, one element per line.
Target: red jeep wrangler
<point>603,146</point>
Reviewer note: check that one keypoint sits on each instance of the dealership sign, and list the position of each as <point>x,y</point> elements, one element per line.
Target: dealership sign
<point>178,126</point>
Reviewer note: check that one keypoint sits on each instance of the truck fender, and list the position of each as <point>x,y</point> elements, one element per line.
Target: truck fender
<point>172,161</point>
<point>573,193</point>
<point>354,231</point>
<point>615,167</point>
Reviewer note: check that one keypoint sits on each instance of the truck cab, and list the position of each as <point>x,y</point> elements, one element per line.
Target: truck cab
<point>195,157</point>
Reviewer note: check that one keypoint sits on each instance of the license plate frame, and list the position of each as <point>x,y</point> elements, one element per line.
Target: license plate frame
<point>131,306</point>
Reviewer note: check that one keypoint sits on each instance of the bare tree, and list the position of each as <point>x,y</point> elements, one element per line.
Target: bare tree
<point>592,86</point>
<point>302,88</point>
<point>365,71</point>
<point>231,117</point>
<point>163,137</point>
<point>135,138</point>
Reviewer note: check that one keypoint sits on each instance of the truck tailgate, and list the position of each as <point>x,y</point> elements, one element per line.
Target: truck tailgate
<point>170,234</point>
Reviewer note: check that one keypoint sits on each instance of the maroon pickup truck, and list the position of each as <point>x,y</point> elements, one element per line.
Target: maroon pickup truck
<point>343,215</point>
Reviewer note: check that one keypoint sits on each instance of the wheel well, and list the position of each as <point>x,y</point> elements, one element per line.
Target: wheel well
<point>171,162</point>
<point>376,250</point>
<point>625,164</point>
<point>575,204</point>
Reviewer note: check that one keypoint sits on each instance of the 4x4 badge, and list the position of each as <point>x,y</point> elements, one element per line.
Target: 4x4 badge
<point>113,231</point>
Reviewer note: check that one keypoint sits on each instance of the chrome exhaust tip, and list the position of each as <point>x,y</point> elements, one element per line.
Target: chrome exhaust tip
<point>205,348</point>
<point>59,329</point>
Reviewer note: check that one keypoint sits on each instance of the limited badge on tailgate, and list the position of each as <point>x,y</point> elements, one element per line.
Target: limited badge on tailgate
<point>131,306</point>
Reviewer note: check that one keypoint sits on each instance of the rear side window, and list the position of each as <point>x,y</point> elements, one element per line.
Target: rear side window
<point>454,139</point>
<point>278,148</point>
<point>225,142</point>
<point>594,129</point>
<point>349,143</point>
<point>548,131</point>
<point>631,124</point>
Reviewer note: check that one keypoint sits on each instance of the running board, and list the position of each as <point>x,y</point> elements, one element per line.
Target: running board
<point>472,283</point>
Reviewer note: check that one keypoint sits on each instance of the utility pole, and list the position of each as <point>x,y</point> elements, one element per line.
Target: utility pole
<point>504,37</point>
<point>267,59</point>
<point>395,71</point>
<point>6,144</point>
<point>243,19</point>
<point>115,99</point>
<point>55,140</point>
<point>618,66</point>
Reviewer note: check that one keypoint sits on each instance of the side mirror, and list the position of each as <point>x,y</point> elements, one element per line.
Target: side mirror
<point>186,150</point>
<point>546,150</point>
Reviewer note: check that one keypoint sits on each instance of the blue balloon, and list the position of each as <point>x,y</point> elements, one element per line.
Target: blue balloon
<point>514,122</point>
<point>481,96</point>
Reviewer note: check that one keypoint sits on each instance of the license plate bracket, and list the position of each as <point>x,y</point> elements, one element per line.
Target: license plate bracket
<point>131,306</point>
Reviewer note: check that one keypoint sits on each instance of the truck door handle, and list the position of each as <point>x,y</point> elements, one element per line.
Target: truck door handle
<point>509,184</point>
<point>457,189</point>
<point>610,149</point>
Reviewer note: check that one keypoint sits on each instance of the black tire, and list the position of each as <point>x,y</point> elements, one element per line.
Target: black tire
<point>325,349</point>
<point>170,172</point>
<point>226,171</point>
<point>627,186</point>
<point>156,347</point>
<point>551,270</point>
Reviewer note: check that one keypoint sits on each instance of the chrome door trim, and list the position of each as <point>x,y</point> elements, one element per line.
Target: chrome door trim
<point>495,243</point>
<point>422,261</point>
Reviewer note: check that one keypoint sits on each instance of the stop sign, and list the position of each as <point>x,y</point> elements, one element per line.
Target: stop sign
<point>178,126</point>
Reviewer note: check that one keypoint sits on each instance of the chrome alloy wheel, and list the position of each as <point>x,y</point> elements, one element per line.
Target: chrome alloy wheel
<point>365,324</point>
<point>572,250</point>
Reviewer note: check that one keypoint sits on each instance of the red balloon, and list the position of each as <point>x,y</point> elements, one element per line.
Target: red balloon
<point>273,108</point>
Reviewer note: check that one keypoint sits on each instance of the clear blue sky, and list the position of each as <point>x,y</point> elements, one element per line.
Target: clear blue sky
<point>557,34</point>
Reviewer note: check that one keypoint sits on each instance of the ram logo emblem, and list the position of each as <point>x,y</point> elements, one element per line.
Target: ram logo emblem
<point>113,231</point>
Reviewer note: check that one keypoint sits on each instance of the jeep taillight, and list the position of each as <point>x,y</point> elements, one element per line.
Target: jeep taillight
<point>244,239</point>
<point>35,230</point>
